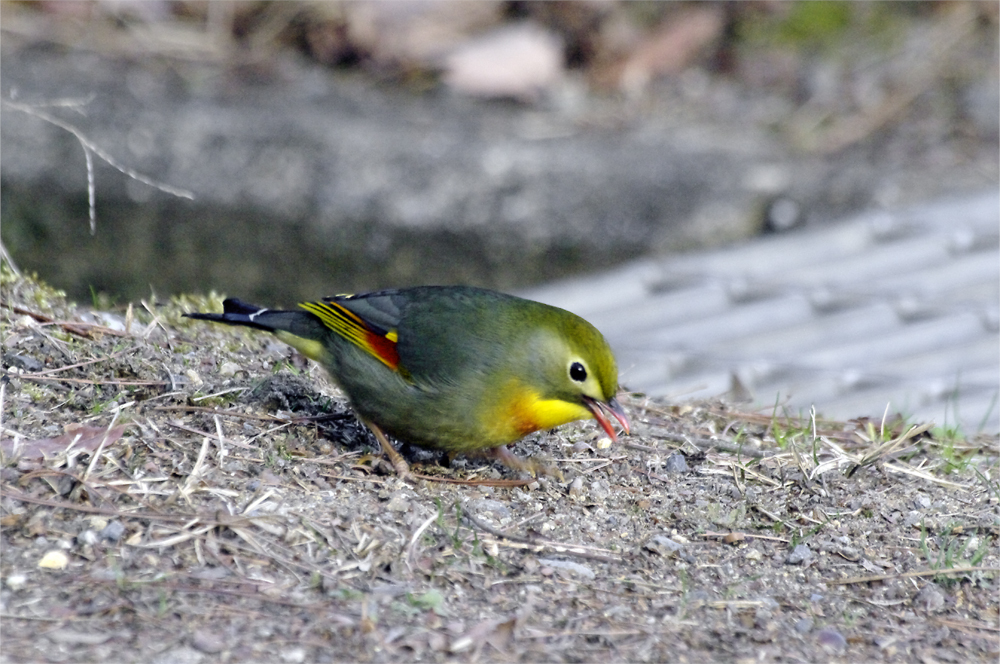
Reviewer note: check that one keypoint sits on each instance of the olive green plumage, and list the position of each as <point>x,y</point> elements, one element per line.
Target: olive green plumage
<point>451,368</point>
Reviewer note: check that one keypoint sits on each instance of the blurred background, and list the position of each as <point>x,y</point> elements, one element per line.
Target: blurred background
<point>602,154</point>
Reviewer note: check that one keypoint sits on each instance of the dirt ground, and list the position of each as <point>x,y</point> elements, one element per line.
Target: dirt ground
<point>218,503</point>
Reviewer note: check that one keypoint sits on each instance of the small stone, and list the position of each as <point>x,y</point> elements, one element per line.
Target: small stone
<point>599,490</point>
<point>54,560</point>
<point>576,491</point>
<point>913,518</point>
<point>489,506</point>
<point>930,598</point>
<point>229,369</point>
<point>804,626</point>
<point>676,463</point>
<point>849,553</point>
<point>398,502</point>
<point>23,362</point>
<point>113,531</point>
<point>16,581</point>
<point>570,566</point>
<point>800,554</point>
<point>207,641</point>
<point>88,537</point>
<point>74,638</point>
<point>664,546</point>
<point>831,640</point>
<point>762,618</point>
<point>294,655</point>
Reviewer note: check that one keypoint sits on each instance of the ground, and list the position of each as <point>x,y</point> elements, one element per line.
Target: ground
<point>218,502</point>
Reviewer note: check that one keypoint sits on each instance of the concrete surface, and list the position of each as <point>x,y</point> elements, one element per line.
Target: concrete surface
<point>897,308</point>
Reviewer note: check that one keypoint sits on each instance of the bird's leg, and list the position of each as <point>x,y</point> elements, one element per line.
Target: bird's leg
<point>398,462</point>
<point>530,466</point>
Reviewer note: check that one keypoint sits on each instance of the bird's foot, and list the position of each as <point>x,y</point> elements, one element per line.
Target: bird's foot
<point>398,462</point>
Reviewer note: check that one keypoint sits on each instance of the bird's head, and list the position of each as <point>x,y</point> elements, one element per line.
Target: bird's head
<point>576,366</point>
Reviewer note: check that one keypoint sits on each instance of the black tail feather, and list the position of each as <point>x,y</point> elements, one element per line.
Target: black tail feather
<point>235,312</point>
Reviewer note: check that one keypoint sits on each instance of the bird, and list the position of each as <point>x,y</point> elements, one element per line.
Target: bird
<point>456,369</point>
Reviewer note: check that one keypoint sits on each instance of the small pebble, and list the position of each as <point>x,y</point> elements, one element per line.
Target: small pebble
<point>16,581</point>
<point>71,637</point>
<point>294,655</point>
<point>398,503</point>
<point>54,560</point>
<point>676,463</point>
<point>229,369</point>
<point>206,640</point>
<point>664,546</point>
<point>930,598</point>
<point>804,626</point>
<point>24,362</point>
<point>913,518</point>
<point>799,555</point>
<point>599,490</point>
<point>113,531</point>
<point>569,565</point>
<point>831,640</point>
<point>489,506</point>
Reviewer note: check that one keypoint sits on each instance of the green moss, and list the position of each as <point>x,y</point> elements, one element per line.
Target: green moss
<point>824,26</point>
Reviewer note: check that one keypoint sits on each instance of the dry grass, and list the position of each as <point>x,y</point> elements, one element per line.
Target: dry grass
<point>176,489</point>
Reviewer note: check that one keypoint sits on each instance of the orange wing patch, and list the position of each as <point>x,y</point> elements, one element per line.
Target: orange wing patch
<point>380,344</point>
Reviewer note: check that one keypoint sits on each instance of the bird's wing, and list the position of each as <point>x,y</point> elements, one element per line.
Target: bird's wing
<point>416,331</point>
<point>368,321</point>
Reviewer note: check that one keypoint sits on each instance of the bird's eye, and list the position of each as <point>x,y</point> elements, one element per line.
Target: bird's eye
<point>577,372</point>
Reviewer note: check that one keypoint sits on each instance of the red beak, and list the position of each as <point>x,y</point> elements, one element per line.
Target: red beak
<point>601,410</point>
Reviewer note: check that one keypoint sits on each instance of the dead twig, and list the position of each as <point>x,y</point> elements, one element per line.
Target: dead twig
<point>539,545</point>
<point>89,150</point>
<point>78,328</point>
<point>909,575</point>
